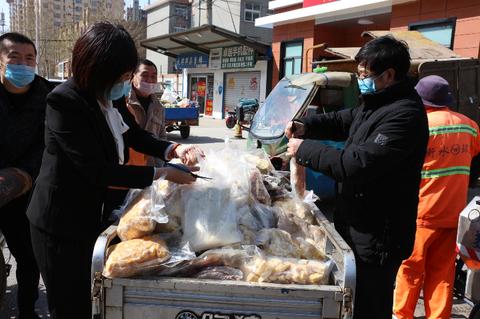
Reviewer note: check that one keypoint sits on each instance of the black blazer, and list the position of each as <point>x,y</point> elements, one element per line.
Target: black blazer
<point>80,162</point>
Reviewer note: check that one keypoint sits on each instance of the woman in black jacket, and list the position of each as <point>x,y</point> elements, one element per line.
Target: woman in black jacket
<point>87,141</point>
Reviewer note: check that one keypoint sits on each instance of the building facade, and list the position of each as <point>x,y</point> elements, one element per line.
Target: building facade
<point>236,16</point>
<point>165,17</point>
<point>299,25</point>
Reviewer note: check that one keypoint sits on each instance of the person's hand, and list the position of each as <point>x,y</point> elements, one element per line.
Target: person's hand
<point>293,145</point>
<point>294,129</point>
<point>175,175</point>
<point>189,154</point>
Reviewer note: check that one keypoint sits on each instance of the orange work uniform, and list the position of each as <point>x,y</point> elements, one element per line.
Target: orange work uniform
<point>454,140</point>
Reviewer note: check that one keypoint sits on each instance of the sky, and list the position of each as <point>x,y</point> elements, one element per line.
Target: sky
<point>5,8</point>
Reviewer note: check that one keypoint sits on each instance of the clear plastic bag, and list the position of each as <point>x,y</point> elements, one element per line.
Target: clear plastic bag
<point>134,257</point>
<point>297,178</point>
<point>277,242</point>
<point>220,273</point>
<point>143,210</point>
<point>211,218</point>
<point>287,270</point>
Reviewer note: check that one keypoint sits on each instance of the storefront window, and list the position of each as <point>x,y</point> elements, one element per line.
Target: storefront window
<point>292,61</point>
<point>441,31</point>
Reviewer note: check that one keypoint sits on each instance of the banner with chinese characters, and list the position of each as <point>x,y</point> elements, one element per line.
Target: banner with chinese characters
<point>209,107</point>
<point>238,57</point>
<point>201,88</point>
<point>191,60</point>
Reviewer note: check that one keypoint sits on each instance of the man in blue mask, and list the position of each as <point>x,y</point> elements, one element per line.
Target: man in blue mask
<point>22,116</point>
<point>378,172</point>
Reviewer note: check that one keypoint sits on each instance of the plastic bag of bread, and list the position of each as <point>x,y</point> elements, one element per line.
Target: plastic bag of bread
<point>174,207</point>
<point>134,257</point>
<point>297,207</point>
<point>260,160</point>
<point>277,242</point>
<point>287,271</point>
<point>141,215</point>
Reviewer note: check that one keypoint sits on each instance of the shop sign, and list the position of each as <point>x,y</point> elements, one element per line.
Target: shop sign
<point>238,57</point>
<point>215,61</point>
<point>191,60</point>
<point>311,3</point>
<point>201,88</point>
<point>209,107</point>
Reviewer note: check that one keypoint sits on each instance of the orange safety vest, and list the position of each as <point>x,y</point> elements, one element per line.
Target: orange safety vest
<point>454,141</point>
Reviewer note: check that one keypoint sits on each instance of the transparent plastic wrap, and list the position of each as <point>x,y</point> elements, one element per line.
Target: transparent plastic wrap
<point>211,218</point>
<point>134,257</point>
<point>277,242</point>
<point>287,270</point>
<point>230,257</point>
<point>277,185</point>
<point>258,189</point>
<point>220,273</point>
<point>144,209</point>
<point>297,178</point>
<point>174,207</point>
<point>260,160</point>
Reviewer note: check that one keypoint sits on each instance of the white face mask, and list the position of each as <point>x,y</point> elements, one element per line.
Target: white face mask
<point>148,88</point>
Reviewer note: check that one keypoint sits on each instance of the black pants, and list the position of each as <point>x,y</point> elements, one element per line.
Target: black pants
<point>65,267</point>
<point>16,229</point>
<point>374,290</point>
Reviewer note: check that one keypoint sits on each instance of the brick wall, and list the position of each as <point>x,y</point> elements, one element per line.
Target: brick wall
<point>467,31</point>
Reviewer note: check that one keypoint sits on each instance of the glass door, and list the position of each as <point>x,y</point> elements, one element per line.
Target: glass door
<point>198,91</point>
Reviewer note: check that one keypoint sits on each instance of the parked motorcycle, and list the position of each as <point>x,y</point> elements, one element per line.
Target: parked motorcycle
<point>244,113</point>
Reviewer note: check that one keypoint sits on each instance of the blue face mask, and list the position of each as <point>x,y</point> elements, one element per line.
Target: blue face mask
<point>118,90</point>
<point>367,85</point>
<point>19,75</point>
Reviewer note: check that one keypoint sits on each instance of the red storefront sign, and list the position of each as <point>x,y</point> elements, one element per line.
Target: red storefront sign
<point>311,3</point>
<point>201,88</point>
<point>209,107</point>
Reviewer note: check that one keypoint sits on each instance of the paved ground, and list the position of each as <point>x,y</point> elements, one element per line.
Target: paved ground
<point>210,135</point>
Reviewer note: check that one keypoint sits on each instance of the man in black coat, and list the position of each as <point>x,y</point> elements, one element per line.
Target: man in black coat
<point>22,115</point>
<point>378,171</point>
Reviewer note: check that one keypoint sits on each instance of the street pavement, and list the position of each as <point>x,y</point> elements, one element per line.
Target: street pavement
<point>209,135</point>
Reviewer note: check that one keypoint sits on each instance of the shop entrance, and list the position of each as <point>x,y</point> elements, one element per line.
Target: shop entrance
<point>201,91</point>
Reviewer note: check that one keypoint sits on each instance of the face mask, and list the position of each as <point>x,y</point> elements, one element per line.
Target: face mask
<point>118,90</point>
<point>367,85</point>
<point>19,75</point>
<point>147,88</point>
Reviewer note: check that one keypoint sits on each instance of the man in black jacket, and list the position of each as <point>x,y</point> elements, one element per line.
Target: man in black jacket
<point>378,171</point>
<point>22,115</point>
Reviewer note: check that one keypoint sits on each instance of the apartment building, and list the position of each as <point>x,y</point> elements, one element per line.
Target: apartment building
<point>54,20</point>
<point>234,15</point>
<point>165,17</point>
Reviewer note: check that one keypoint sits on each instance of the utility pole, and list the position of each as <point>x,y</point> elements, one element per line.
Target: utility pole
<point>209,12</point>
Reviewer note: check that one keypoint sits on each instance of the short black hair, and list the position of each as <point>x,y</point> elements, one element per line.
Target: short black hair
<point>384,53</point>
<point>101,56</point>
<point>15,38</point>
<point>145,62</point>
